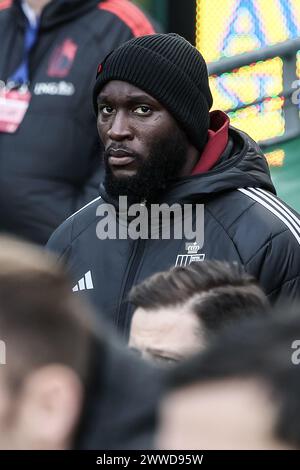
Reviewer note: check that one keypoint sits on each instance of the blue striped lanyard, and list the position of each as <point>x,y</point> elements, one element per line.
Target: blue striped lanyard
<point>21,75</point>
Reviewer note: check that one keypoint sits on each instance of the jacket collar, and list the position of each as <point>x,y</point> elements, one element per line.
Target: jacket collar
<point>216,143</point>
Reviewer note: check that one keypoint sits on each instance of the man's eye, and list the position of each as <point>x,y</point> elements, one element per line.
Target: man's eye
<point>142,110</point>
<point>106,109</point>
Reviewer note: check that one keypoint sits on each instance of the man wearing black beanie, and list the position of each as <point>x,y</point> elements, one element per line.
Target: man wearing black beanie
<point>163,148</point>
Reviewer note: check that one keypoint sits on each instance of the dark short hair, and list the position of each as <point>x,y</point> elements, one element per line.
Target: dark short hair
<point>41,320</point>
<point>257,348</point>
<point>219,292</point>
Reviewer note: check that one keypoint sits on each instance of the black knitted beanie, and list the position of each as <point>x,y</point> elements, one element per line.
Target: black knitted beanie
<point>170,69</point>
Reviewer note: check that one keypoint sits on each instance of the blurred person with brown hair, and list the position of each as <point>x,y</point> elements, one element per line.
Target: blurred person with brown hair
<point>48,336</point>
<point>179,312</point>
<point>242,393</point>
<point>50,155</point>
<point>62,385</point>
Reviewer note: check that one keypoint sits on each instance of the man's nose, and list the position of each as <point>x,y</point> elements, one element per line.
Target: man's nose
<point>119,129</point>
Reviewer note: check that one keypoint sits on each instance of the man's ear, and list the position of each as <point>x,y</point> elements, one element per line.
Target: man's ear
<point>51,406</point>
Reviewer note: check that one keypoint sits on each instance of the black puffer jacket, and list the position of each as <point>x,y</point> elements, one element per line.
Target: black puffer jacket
<point>243,221</point>
<point>51,166</point>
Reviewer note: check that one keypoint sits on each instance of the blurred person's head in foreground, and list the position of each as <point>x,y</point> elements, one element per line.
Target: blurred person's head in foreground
<point>241,393</point>
<point>47,335</point>
<point>67,381</point>
<point>179,311</point>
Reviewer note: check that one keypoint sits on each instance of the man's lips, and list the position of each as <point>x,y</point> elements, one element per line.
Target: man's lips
<point>120,161</point>
<point>119,157</point>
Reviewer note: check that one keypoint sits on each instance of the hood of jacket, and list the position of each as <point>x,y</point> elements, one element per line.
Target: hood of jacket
<point>235,161</point>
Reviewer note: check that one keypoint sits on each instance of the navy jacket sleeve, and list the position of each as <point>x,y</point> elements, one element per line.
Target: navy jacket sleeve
<point>277,267</point>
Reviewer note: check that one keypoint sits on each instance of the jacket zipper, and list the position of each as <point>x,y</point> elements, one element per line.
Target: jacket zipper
<point>122,313</point>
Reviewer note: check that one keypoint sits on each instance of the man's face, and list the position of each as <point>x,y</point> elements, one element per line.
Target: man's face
<point>165,335</point>
<point>235,414</point>
<point>144,146</point>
